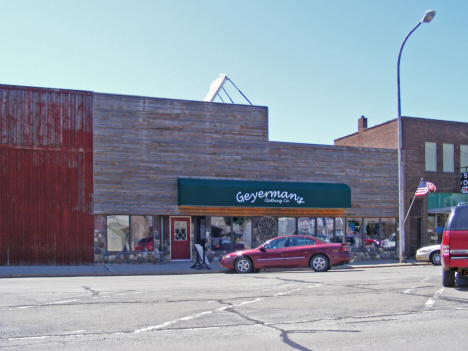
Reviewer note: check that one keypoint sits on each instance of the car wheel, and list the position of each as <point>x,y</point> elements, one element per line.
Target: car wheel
<point>448,278</point>
<point>435,258</point>
<point>319,263</point>
<point>373,245</point>
<point>243,265</point>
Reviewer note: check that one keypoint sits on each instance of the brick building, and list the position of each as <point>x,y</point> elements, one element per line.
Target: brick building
<point>434,150</point>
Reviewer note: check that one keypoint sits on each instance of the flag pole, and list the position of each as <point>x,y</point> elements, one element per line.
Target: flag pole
<point>414,197</point>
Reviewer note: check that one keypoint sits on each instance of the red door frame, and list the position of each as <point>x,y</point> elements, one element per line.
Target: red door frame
<point>181,249</point>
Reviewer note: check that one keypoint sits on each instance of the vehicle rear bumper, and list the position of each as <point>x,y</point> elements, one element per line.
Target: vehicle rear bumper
<point>458,262</point>
<point>455,262</point>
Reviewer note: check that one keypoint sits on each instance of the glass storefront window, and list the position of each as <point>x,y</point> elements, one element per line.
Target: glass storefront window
<point>118,230</point>
<point>371,232</point>
<point>431,225</point>
<point>306,226</point>
<point>325,229</point>
<point>130,233</point>
<point>242,231</point>
<point>442,219</point>
<point>286,226</point>
<point>227,234</point>
<point>141,236</point>
<point>354,232</point>
<point>263,229</point>
<point>339,230</point>
<point>435,220</point>
<point>388,233</point>
<point>221,234</point>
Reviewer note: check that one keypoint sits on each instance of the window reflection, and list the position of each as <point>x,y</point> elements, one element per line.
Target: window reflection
<point>306,226</point>
<point>325,229</point>
<point>242,230</point>
<point>371,232</point>
<point>339,230</point>
<point>388,233</point>
<point>221,235</point>
<point>286,226</point>
<point>118,230</point>
<point>278,243</point>
<point>300,241</point>
<point>354,233</point>
<point>263,229</point>
<point>130,233</point>
<point>142,233</point>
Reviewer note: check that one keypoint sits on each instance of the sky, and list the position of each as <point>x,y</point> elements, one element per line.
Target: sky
<point>318,65</point>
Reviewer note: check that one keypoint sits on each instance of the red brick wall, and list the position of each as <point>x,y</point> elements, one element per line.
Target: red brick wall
<point>382,136</point>
<point>417,131</point>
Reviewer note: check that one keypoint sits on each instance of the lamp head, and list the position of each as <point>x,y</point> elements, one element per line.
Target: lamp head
<point>428,16</point>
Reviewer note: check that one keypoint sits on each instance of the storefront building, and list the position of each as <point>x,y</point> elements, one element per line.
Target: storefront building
<point>140,180</point>
<point>186,172</point>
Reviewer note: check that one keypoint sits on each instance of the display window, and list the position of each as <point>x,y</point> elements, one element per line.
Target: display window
<point>388,233</point>
<point>371,233</point>
<point>306,225</point>
<point>130,233</point>
<point>263,229</point>
<point>286,226</point>
<point>354,232</point>
<point>325,229</point>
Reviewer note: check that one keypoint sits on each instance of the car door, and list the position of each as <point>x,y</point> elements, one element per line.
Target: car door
<point>272,255</point>
<point>298,250</point>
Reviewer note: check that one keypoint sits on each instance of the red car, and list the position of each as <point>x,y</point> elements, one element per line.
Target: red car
<point>145,244</point>
<point>371,242</point>
<point>454,247</point>
<point>289,251</point>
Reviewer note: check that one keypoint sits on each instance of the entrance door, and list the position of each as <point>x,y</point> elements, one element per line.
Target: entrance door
<point>415,226</point>
<point>415,234</point>
<point>180,238</point>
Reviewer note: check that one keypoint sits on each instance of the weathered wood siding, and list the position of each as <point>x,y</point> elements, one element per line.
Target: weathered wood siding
<point>143,144</point>
<point>46,176</point>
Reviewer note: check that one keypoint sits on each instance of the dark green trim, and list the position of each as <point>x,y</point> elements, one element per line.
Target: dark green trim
<point>445,200</point>
<point>241,193</point>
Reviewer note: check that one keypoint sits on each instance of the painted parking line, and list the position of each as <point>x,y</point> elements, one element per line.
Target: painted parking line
<point>197,315</point>
<point>429,303</point>
<point>410,290</point>
<point>165,324</point>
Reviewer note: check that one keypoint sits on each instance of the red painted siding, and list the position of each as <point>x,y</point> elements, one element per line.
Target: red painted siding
<point>46,176</point>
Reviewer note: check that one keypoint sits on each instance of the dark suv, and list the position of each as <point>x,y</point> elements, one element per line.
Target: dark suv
<point>454,245</point>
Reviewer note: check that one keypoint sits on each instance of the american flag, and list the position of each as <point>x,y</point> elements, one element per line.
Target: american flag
<point>425,187</point>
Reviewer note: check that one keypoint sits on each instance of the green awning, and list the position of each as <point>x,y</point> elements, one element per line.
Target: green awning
<point>242,193</point>
<point>444,202</point>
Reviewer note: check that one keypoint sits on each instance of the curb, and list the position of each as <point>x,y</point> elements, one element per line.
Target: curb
<point>385,265</point>
<point>111,273</point>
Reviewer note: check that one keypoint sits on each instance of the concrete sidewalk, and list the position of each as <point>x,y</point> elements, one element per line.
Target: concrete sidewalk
<point>174,267</point>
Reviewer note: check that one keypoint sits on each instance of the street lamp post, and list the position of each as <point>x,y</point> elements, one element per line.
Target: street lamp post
<point>428,16</point>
